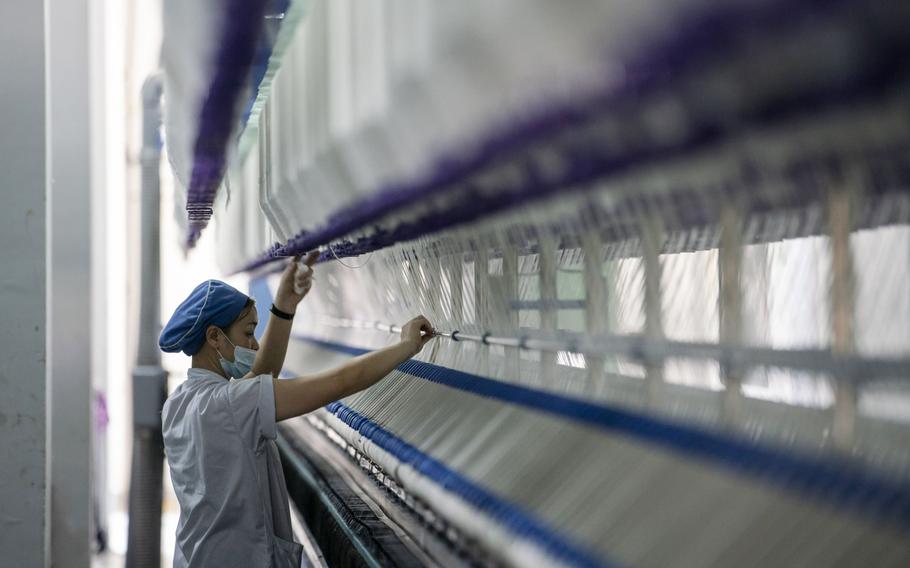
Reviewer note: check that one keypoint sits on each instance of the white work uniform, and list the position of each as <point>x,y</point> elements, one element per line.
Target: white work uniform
<point>219,437</point>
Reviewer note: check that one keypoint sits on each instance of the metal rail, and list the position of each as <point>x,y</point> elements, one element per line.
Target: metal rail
<point>850,367</point>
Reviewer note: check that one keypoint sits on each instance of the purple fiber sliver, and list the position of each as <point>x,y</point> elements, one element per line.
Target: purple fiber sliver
<point>237,49</point>
<point>652,70</point>
<point>101,415</point>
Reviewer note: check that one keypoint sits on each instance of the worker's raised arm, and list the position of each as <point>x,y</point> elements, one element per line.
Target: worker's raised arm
<point>294,286</point>
<point>294,397</point>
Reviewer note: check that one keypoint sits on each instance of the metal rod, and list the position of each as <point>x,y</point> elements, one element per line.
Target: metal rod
<point>552,304</point>
<point>459,336</point>
<point>850,367</point>
<point>515,342</point>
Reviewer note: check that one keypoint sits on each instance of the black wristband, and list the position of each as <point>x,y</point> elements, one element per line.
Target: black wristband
<point>280,314</point>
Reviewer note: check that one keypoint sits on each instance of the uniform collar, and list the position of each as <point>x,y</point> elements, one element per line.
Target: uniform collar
<point>198,373</point>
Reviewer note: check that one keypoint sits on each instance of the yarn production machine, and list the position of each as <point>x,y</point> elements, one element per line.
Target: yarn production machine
<point>666,246</point>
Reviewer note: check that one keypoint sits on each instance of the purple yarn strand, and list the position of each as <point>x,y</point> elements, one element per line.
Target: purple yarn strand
<point>657,69</point>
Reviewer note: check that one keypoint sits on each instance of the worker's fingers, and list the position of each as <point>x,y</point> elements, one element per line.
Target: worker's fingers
<point>302,279</point>
<point>291,267</point>
<point>311,258</point>
<point>303,273</point>
<point>424,324</point>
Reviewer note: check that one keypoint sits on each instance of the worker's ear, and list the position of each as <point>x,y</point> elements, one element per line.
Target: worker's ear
<point>213,336</point>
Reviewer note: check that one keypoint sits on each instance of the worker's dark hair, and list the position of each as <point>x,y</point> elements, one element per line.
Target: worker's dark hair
<point>250,302</point>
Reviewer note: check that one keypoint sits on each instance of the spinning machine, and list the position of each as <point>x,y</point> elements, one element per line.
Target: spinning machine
<point>665,244</point>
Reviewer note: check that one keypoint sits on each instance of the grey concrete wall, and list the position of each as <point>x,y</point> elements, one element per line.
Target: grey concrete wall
<point>69,280</point>
<point>23,284</point>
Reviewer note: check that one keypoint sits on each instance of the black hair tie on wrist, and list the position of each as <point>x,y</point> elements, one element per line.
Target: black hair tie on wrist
<point>280,314</point>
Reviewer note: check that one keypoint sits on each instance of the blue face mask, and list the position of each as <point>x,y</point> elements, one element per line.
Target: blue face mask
<point>242,363</point>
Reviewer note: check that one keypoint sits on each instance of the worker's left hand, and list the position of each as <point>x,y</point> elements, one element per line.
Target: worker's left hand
<point>296,281</point>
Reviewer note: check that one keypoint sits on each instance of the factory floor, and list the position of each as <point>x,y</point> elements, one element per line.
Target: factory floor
<point>115,556</point>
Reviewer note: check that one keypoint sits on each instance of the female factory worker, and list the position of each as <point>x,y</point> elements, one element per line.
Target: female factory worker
<point>219,425</point>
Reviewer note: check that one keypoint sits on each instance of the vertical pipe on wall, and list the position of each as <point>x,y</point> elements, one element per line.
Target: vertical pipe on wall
<point>149,379</point>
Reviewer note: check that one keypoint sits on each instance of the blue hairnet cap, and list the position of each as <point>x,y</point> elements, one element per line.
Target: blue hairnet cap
<point>211,303</point>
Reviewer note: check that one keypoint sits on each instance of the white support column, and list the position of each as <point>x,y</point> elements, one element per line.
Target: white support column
<point>652,239</point>
<point>24,217</point>
<point>730,304</point>
<point>481,295</point>
<point>510,287</point>
<point>548,296</point>
<point>456,277</point>
<point>265,175</point>
<point>842,312</point>
<point>595,304</point>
